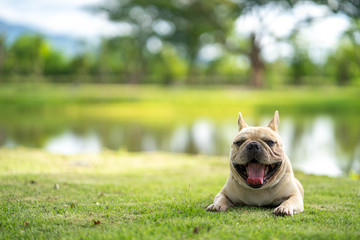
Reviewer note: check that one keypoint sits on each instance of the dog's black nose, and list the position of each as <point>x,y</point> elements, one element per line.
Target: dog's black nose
<point>253,146</point>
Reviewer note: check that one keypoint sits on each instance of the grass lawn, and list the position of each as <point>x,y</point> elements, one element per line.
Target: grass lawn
<point>161,105</point>
<point>120,195</point>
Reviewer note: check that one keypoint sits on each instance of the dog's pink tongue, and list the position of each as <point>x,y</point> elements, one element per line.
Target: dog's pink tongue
<point>256,174</point>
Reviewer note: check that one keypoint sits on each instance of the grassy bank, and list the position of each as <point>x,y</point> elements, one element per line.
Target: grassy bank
<point>164,104</point>
<point>118,195</point>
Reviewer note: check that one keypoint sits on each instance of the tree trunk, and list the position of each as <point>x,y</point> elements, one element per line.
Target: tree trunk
<point>2,53</point>
<point>257,64</point>
<point>343,74</point>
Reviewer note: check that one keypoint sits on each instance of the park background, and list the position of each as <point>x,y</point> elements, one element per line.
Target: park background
<point>108,106</point>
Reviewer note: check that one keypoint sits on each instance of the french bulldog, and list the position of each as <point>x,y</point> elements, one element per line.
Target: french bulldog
<point>260,172</point>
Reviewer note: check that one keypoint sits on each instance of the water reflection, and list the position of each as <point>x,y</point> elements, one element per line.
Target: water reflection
<point>318,145</point>
<point>203,135</point>
<point>314,152</point>
<point>179,139</point>
<point>70,143</point>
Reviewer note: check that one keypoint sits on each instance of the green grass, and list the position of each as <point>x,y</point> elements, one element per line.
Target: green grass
<point>154,104</point>
<point>154,196</point>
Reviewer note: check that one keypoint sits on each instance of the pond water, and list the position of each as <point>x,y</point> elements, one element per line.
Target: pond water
<point>320,144</point>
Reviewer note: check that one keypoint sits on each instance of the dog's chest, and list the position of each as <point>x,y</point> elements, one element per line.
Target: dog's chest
<point>255,197</point>
<point>258,198</point>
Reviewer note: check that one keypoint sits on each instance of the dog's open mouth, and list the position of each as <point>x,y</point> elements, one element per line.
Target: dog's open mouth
<point>256,174</point>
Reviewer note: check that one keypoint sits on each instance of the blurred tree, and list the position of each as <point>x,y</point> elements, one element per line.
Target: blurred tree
<point>167,67</point>
<point>110,61</point>
<point>31,55</point>
<point>264,13</point>
<point>343,64</point>
<point>56,63</point>
<point>190,25</point>
<point>278,72</point>
<point>351,8</point>
<point>230,68</point>
<point>26,55</point>
<point>82,65</point>
<point>179,22</point>
<point>2,53</point>
<point>132,58</point>
<point>301,65</point>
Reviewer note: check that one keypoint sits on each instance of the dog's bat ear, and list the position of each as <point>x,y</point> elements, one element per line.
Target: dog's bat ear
<point>242,124</point>
<point>274,123</point>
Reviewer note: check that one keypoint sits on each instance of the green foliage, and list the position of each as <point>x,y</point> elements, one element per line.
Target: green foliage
<point>81,64</point>
<point>32,55</point>
<point>191,25</point>
<point>302,67</point>
<point>56,64</point>
<point>165,43</point>
<point>167,67</point>
<point>177,22</point>
<point>343,64</point>
<point>26,55</point>
<point>229,69</point>
<point>349,8</point>
<point>111,57</point>
<point>154,196</point>
<point>186,20</point>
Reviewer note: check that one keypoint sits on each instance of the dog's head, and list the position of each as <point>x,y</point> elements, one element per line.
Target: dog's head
<point>257,153</point>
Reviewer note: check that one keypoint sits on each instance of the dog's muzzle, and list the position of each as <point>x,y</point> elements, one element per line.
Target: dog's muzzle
<point>256,174</point>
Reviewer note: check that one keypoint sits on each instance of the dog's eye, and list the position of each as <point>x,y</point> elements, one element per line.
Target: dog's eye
<point>269,143</point>
<point>239,142</point>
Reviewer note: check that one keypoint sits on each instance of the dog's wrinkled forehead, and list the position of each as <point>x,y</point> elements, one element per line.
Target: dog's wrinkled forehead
<point>254,133</point>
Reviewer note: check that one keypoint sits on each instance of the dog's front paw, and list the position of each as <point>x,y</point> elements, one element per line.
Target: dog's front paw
<point>217,208</point>
<point>283,211</point>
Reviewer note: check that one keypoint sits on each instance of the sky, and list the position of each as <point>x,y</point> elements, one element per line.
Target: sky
<point>322,36</point>
<point>60,17</point>
<point>71,18</point>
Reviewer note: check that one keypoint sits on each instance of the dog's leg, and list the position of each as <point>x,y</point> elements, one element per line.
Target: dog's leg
<point>294,204</point>
<point>221,203</point>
